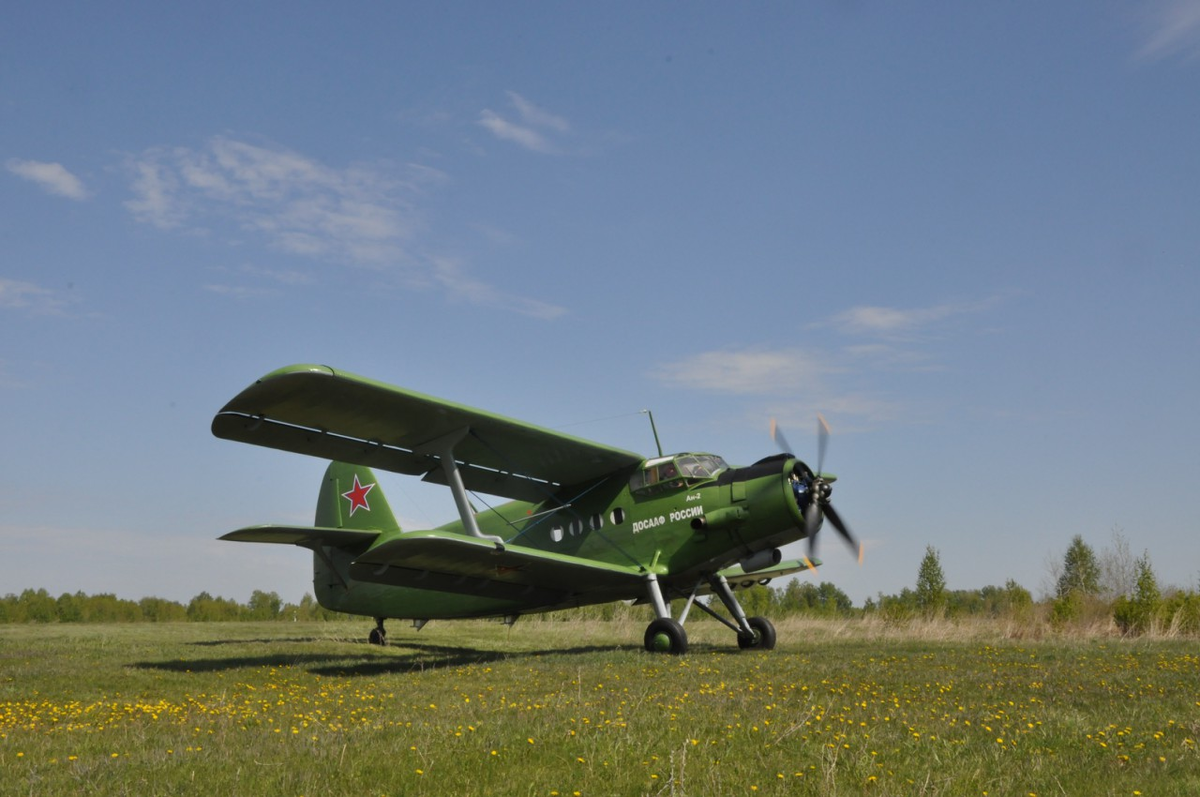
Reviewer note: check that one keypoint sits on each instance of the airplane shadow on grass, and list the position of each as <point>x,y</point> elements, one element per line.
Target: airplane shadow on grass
<point>403,657</point>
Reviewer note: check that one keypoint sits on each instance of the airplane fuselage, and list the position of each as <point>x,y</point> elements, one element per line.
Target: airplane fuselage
<point>680,528</point>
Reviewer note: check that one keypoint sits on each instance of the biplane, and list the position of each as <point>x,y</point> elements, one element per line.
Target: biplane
<point>583,523</point>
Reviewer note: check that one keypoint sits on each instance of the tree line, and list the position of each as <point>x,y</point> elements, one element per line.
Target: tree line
<point>39,606</point>
<point>1085,588</point>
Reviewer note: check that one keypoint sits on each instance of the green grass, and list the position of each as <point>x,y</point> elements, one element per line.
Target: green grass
<point>839,708</point>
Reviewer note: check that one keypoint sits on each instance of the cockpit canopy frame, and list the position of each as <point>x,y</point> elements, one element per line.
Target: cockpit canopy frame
<point>675,471</point>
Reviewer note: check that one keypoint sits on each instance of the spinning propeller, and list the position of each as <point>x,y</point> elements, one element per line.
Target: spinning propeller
<point>818,487</point>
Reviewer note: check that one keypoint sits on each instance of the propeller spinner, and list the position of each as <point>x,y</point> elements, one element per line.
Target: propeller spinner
<point>818,487</point>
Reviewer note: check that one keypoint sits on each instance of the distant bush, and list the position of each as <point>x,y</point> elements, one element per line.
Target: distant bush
<point>1181,612</point>
<point>38,606</point>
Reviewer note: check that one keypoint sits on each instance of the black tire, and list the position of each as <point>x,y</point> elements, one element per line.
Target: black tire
<point>377,637</point>
<point>664,635</point>
<point>763,637</point>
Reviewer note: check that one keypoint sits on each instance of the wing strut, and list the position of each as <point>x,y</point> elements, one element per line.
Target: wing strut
<point>443,447</point>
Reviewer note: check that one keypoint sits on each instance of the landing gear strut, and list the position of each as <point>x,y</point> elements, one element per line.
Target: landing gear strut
<point>762,638</point>
<point>663,635</point>
<point>753,633</point>
<point>378,633</point>
<point>666,635</point>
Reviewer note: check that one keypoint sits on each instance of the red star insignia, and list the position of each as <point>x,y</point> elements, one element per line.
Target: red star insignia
<point>358,496</point>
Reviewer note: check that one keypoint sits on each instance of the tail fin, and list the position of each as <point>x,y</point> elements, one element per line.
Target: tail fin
<point>351,498</point>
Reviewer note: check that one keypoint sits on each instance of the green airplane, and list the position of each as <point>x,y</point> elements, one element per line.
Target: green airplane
<point>584,524</point>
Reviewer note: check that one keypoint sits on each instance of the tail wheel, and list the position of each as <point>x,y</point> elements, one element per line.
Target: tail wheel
<point>762,638</point>
<point>665,635</point>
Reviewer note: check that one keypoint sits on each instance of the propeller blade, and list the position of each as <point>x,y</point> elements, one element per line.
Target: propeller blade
<point>812,523</point>
<point>780,440</point>
<point>822,441</point>
<point>840,526</point>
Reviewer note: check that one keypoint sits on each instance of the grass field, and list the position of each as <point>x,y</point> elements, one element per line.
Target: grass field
<point>566,708</point>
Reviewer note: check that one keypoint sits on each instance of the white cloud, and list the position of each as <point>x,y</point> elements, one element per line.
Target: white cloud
<point>788,384</point>
<point>842,380</point>
<point>538,117</point>
<point>746,371</point>
<point>1172,27</point>
<point>888,320</point>
<point>157,190</point>
<point>895,321</point>
<point>535,127</point>
<point>509,131</point>
<point>50,177</point>
<point>358,215</point>
<point>269,282</point>
<point>462,287</point>
<point>18,295</point>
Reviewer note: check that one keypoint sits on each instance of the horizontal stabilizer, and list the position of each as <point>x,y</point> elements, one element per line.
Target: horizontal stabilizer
<point>304,536</point>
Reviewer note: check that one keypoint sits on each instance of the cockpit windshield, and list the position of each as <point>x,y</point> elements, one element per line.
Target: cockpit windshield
<point>676,471</point>
<point>700,466</point>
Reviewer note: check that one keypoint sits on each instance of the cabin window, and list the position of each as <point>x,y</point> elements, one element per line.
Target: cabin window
<point>617,516</point>
<point>655,472</point>
<point>596,522</point>
<point>576,527</point>
<point>556,533</point>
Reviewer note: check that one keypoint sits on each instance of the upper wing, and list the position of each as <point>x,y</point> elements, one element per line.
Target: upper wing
<point>449,562</point>
<point>312,409</point>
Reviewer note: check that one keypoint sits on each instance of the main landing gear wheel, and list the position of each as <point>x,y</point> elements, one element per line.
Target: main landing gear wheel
<point>664,635</point>
<point>763,637</point>
<point>378,633</point>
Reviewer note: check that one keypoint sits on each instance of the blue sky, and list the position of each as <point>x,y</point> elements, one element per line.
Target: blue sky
<point>966,233</point>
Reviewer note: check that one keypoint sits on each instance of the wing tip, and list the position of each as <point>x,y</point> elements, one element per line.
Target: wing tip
<point>299,368</point>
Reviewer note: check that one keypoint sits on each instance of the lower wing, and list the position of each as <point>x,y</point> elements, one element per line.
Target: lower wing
<point>449,562</point>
